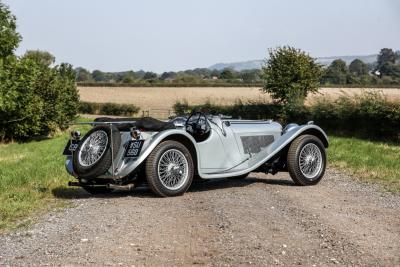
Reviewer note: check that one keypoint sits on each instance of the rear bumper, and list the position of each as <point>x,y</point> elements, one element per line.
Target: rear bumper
<point>70,169</point>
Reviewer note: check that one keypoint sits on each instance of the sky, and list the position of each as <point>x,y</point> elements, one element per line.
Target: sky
<point>160,35</point>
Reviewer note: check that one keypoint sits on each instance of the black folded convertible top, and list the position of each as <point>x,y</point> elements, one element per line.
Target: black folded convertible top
<point>146,123</point>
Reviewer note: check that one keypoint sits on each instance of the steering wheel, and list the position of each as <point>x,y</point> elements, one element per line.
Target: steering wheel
<point>197,125</point>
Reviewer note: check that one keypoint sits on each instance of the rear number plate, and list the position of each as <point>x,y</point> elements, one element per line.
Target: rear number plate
<point>133,148</point>
<point>71,146</point>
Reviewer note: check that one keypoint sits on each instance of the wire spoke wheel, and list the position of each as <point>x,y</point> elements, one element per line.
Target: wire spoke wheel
<point>173,169</point>
<point>310,160</point>
<point>169,169</point>
<point>93,148</point>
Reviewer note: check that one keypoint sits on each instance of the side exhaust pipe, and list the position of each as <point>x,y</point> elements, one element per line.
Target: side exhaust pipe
<point>129,187</point>
<point>123,187</point>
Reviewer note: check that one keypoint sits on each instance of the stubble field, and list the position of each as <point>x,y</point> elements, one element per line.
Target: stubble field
<point>150,98</point>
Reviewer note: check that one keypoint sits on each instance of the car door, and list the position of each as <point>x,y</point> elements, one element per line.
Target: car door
<point>220,152</point>
<point>212,153</point>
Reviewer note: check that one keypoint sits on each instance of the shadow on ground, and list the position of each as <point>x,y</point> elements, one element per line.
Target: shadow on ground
<point>144,192</point>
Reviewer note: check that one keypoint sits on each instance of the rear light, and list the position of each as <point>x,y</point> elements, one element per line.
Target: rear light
<point>76,135</point>
<point>135,134</point>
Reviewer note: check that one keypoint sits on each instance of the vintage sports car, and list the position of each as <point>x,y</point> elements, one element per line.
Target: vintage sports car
<point>121,153</point>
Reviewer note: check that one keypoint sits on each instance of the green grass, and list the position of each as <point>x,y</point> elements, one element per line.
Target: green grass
<point>30,173</point>
<point>368,160</point>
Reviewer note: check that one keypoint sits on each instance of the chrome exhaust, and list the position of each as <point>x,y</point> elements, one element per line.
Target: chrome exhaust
<point>129,187</point>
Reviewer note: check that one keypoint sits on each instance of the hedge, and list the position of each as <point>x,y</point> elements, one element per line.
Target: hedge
<point>108,109</point>
<point>368,115</point>
<point>158,84</point>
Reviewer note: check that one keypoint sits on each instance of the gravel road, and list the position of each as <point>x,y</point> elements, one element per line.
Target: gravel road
<point>261,221</point>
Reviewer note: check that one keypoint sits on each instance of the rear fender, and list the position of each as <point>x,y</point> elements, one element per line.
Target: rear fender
<point>151,143</point>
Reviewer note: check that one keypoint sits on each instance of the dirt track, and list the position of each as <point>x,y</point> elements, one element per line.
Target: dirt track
<point>262,221</point>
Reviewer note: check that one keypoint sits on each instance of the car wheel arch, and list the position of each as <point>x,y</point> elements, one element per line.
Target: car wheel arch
<point>189,144</point>
<point>317,133</point>
<point>309,131</point>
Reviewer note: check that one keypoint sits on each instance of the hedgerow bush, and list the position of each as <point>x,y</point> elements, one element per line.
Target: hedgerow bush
<point>250,110</point>
<point>35,100</point>
<point>368,115</point>
<point>108,109</point>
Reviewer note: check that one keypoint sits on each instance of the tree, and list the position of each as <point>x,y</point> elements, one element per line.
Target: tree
<point>83,75</point>
<point>99,76</point>
<point>290,74</point>
<point>37,99</point>
<point>358,68</point>
<point>168,75</point>
<point>127,79</point>
<point>391,70</point>
<point>9,37</point>
<point>227,74</point>
<point>387,63</point>
<point>150,75</point>
<point>386,56</point>
<point>41,57</point>
<point>250,76</point>
<point>336,73</point>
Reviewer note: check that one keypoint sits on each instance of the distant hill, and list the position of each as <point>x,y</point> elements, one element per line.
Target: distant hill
<point>256,64</point>
<point>348,59</point>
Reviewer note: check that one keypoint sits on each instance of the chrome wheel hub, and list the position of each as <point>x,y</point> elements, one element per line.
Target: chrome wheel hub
<point>93,148</point>
<point>173,169</point>
<point>310,161</point>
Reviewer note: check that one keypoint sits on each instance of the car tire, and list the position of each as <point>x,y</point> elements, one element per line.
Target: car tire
<point>103,163</point>
<point>169,169</point>
<point>97,190</point>
<point>243,176</point>
<point>306,160</point>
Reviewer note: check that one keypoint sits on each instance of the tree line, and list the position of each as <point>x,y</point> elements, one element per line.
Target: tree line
<point>194,76</point>
<point>385,71</point>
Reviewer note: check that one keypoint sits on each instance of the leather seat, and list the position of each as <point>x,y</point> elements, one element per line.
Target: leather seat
<point>145,124</point>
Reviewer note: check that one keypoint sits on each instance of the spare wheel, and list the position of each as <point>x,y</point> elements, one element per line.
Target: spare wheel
<point>93,154</point>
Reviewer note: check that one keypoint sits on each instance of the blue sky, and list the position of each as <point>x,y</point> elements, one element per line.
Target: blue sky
<point>161,35</point>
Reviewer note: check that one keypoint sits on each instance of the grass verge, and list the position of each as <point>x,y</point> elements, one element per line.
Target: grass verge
<point>29,172</point>
<point>370,161</point>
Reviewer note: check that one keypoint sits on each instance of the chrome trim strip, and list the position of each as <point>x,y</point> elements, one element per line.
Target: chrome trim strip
<point>101,122</point>
<point>250,122</point>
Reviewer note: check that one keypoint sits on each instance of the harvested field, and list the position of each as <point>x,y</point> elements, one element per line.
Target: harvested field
<point>164,97</point>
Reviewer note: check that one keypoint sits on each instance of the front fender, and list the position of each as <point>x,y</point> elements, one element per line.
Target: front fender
<point>277,146</point>
<point>149,146</point>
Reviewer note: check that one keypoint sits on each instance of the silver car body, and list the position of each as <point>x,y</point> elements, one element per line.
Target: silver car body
<point>233,148</point>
